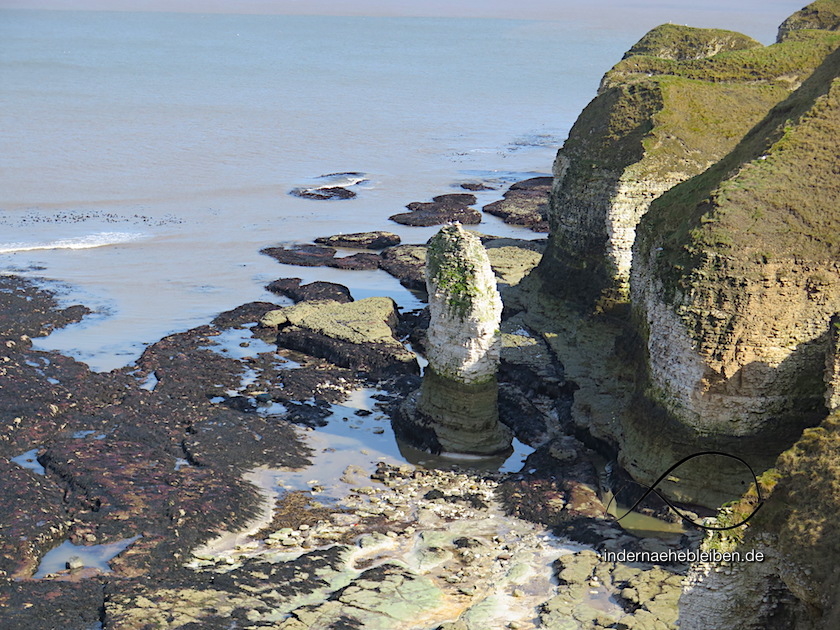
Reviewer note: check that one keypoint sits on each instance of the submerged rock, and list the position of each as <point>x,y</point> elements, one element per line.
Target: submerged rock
<point>458,399</point>
<point>476,186</point>
<point>323,192</point>
<point>320,256</point>
<point>301,255</point>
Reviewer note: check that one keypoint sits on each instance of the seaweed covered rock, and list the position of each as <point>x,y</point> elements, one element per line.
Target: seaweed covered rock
<point>441,209</point>
<point>679,101</point>
<point>525,203</point>
<point>736,277</point>
<point>361,240</point>
<point>456,408</point>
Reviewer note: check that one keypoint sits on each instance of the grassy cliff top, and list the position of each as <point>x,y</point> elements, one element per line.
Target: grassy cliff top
<point>786,63</point>
<point>822,14</point>
<point>682,97</point>
<point>774,196</point>
<point>675,42</point>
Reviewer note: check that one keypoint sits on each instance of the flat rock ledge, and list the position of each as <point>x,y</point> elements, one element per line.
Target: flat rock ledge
<point>357,335</point>
<point>525,204</point>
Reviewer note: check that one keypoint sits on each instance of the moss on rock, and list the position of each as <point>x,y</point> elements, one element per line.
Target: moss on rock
<point>371,320</point>
<point>679,101</point>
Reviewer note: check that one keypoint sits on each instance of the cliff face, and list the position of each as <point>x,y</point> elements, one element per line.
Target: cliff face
<point>832,366</point>
<point>796,586</point>
<point>679,101</point>
<point>737,274</point>
<point>822,15</point>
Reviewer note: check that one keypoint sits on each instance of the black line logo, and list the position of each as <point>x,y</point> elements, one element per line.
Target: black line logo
<point>663,476</point>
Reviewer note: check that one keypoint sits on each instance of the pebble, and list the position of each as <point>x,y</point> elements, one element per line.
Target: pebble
<point>74,563</point>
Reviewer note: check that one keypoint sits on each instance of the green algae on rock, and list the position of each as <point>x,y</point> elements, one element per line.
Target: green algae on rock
<point>456,408</point>
<point>358,335</point>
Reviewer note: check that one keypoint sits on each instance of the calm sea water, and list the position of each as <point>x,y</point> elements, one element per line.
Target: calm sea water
<point>147,157</point>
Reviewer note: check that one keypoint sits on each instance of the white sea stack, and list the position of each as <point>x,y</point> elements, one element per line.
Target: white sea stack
<point>458,398</point>
<point>464,339</point>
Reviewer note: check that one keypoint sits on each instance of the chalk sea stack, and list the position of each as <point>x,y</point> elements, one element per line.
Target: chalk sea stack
<point>456,407</point>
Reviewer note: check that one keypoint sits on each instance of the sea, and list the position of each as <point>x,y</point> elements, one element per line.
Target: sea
<point>146,157</point>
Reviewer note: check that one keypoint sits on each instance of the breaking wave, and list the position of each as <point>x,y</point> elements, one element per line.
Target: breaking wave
<point>89,241</point>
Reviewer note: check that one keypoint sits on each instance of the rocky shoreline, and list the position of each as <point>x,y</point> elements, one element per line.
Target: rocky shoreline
<point>164,454</point>
<point>259,471</point>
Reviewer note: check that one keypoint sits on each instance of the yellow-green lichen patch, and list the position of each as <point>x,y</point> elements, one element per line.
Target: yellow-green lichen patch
<point>451,267</point>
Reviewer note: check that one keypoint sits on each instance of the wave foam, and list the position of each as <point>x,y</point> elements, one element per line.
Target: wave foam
<point>89,241</point>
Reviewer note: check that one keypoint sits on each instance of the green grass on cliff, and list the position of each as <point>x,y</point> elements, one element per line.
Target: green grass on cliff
<point>674,41</point>
<point>700,122</point>
<point>785,63</point>
<point>775,195</point>
<point>683,115</point>
<point>822,14</point>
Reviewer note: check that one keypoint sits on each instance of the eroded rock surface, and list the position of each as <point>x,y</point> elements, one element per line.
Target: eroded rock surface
<point>735,303</point>
<point>357,335</point>
<point>456,409</point>
<point>525,203</point>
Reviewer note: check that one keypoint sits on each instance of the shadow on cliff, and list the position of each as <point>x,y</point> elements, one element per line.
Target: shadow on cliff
<point>655,439</point>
